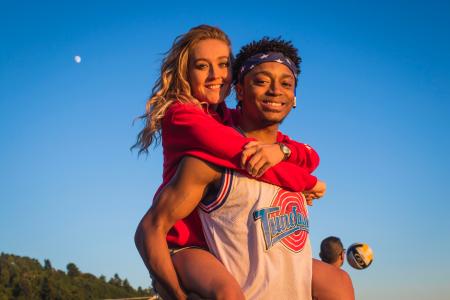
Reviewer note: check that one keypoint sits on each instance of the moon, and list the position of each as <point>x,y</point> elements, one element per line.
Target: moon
<point>77,59</point>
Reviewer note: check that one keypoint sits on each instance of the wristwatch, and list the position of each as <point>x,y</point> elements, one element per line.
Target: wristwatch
<point>286,151</point>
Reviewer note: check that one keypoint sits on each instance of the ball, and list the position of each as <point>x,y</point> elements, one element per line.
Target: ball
<point>359,256</point>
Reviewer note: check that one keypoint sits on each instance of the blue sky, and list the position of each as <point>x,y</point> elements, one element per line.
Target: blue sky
<point>373,100</point>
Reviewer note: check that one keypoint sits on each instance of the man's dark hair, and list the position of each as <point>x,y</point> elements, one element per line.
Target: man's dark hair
<point>266,45</point>
<point>330,249</point>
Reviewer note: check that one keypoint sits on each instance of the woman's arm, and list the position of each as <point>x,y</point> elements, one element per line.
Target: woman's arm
<point>187,130</point>
<point>263,156</point>
<point>302,155</point>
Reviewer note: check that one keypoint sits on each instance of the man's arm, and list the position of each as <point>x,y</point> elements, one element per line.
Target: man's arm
<point>176,201</point>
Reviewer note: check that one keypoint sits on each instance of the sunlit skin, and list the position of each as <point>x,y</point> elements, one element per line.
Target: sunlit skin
<point>268,95</point>
<point>209,71</point>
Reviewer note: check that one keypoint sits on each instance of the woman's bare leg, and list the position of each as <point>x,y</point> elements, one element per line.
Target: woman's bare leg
<point>202,273</point>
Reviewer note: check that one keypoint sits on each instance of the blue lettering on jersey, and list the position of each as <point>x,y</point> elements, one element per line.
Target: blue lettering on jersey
<point>278,227</point>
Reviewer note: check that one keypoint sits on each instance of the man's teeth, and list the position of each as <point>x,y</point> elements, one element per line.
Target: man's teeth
<point>274,104</point>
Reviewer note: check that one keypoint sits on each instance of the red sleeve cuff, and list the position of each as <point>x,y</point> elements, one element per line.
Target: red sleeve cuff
<point>310,182</point>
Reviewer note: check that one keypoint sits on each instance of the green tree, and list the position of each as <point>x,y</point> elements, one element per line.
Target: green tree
<point>47,265</point>
<point>115,280</point>
<point>126,285</point>
<point>23,289</point>
<point>4,275</point>
<point>72,270</point>
<point>24,278</point>
<point>47,291</point>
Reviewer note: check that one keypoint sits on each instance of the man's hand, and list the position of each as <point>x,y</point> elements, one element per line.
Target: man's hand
<point>316,192</point>
<point>260,157</point>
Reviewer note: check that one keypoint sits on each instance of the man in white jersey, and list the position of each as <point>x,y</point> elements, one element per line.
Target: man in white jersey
<point>257,230</point>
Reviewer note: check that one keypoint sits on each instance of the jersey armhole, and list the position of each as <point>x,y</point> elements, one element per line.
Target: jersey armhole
<point>210,205</point>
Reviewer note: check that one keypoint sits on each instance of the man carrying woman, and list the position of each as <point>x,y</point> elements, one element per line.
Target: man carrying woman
<point>195,71</point>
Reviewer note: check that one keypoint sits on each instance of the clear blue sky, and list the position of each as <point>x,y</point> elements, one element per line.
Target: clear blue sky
<point>373,100</point>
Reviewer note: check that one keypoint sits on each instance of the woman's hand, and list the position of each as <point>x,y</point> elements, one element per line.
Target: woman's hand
<point>316,192</point>
<point>257,157</point>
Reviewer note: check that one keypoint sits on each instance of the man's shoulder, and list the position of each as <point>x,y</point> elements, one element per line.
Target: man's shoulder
<point>200,169</point>
<point>281,137</point>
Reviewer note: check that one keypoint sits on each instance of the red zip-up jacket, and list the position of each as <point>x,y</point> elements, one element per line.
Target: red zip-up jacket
<point>187,129</point>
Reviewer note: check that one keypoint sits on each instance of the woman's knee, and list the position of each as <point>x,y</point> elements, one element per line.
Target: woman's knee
<point>227,289</point>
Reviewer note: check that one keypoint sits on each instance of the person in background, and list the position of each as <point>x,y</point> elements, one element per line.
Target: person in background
<point>332,251</point>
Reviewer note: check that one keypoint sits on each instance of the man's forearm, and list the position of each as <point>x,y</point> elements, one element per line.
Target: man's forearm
<point>152,246</point>
<point>175,201</point>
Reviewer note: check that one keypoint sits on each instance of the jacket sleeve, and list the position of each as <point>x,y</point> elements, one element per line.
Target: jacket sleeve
<point>188,130</point>
<point>302,155</point>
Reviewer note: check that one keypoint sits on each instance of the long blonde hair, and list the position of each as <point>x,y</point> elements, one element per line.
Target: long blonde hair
<point>172,85</point>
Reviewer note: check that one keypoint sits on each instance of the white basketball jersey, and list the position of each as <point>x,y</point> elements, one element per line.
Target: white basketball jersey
<point>260,233</point>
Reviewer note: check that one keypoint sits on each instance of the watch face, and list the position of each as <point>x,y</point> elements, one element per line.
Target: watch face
<point>285,150</point>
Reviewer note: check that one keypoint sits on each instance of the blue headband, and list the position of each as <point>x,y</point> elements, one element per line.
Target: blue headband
<point>260,58</point>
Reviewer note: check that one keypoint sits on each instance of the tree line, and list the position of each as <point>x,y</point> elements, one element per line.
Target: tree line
<point>25,278</point>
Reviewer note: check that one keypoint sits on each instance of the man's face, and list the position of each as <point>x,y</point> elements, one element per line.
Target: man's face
<point>267,93</point>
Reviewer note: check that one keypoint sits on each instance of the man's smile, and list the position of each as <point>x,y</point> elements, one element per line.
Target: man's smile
<point>270,104</point>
